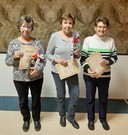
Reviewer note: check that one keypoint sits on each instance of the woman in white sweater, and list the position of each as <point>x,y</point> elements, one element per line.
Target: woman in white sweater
<point>99,42</point>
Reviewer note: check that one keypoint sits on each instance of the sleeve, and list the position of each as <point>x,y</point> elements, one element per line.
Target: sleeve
<point>9,56</point>
<point>84,55</point>
<point>51,48</point>
<point>113,55</point>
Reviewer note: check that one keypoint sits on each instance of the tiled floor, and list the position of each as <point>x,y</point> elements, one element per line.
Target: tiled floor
<point>11,124</point>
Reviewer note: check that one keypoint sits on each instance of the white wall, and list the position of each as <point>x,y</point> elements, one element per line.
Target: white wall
<point>118,85</point>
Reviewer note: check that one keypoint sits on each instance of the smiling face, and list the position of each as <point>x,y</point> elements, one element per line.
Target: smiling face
<point>26,29</point>
<point>101,25</point>
<point>25,25</point>
<point>67,22</point>
<point>101,29</point>
<point>67,25</point>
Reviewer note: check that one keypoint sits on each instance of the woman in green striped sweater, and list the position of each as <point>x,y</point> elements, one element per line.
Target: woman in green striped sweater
<point>99,42</point>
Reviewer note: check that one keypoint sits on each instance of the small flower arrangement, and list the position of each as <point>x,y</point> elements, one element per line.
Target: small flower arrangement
<point>75,44</point>
<point>34,61</point>
<point>36,58</point>
<point>76,38</point>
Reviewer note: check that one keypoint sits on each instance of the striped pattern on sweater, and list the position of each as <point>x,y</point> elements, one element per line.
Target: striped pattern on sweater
<point>105,46</point>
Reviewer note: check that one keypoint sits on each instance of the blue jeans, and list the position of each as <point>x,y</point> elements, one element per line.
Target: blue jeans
<point>73,87</point>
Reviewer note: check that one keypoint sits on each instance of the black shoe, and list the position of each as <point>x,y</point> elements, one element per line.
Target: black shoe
<point>26,126</point>
<point>74,124</point>
<point>91,125</point>
<point>62,121</point>
<point>37,125</point>
<point>105,125</point>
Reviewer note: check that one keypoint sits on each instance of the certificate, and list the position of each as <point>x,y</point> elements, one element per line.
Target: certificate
<point>94,63</point>
<point>28,51</point>
<point>66,71</point>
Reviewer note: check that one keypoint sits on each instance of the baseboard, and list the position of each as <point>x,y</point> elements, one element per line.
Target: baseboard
<point>49,104</point>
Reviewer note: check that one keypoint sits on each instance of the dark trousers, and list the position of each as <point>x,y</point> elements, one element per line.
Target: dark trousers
<point>102,84</point>
<point>73,87</point>
<point>23,91</point>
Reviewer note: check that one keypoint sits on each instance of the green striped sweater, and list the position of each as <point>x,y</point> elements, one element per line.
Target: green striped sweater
<point>106,47</point>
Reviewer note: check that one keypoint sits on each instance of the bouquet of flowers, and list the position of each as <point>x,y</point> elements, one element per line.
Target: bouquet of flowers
<point>35,60</point>
<point>75,43</point>
<point>76,38</point>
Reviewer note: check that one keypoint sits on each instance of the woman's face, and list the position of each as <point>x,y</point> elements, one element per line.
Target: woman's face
<point>101,29</point>
<point>26,29</point>
<point>67,25</point>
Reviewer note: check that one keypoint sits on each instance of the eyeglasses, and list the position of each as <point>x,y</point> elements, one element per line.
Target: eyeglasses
<point>26,27</point>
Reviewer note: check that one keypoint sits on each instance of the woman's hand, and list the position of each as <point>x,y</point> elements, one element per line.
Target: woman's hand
<point>33,72</point>
<point>77,53</point>
<point>104,62</point>
<point>17,55</point>
<point>61,61</point>
<point>91,73</point>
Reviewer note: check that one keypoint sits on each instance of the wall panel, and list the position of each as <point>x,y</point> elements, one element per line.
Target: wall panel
<point>46,14</point>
